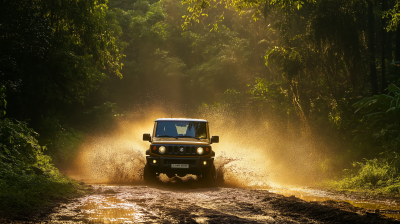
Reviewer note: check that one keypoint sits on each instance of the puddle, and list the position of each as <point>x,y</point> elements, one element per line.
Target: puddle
<point>106,208</point>
<point>110,209</point>
<point>392,211</point>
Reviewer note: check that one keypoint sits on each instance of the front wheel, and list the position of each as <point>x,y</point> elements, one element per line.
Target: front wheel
<point>149,176</point>
<point>209,176</point>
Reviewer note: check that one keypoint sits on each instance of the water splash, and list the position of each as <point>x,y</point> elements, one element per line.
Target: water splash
<point>253,151</point>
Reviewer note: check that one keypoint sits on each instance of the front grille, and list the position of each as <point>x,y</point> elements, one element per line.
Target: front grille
<point>181,150</point>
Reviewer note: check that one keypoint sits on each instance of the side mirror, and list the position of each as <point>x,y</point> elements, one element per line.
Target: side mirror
<point>214,139</point>
<point>147,137</point>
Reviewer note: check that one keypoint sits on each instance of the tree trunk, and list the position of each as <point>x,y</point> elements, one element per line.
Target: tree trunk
<point>383,61</point>
<point>397,53</point>
<point>371,47</point>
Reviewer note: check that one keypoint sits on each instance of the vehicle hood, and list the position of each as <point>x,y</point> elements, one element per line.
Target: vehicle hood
<point>179,141</point>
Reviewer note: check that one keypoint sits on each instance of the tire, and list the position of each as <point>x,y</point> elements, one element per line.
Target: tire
<point>209,176</point>
<point>149,176</point>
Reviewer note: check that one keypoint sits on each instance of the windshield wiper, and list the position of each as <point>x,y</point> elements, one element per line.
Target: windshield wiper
<point>167,136</point>
<point>188,137</point>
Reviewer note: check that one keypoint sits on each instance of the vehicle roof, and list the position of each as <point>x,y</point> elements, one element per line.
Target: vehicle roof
<point>181,119</point>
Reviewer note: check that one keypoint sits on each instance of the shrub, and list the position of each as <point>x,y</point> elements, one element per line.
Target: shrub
<point>381,119</point>
<point>18,146</point>
<point>27,178</point>
<point>62,142</point>
<point>375,173</point>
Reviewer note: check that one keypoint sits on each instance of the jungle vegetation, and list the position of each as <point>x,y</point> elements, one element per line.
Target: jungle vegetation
<point>325,70</point>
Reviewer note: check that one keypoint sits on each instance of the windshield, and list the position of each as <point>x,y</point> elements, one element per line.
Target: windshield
<point>181,129</point>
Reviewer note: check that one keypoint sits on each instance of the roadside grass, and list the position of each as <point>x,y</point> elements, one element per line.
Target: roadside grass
<point>30,190</point>
<point>379,176</point>
<point>28,179</point>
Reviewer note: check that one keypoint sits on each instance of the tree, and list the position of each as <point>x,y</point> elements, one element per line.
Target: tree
<point>55,53</point>
<point>383,51</point>
<point>371,47</point>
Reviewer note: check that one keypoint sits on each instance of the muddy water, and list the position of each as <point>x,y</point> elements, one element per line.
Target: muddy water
<point>103,208</point>
<point>187,202</point>
<point>387,207</point>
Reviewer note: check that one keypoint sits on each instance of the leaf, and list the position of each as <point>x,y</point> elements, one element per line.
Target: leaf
<point>7,151</point>
<point>374,114</point>
<point>268,54</point>
<point>390,109</point>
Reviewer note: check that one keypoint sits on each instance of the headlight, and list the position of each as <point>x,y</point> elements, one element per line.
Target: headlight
<point>200,150</point>
<point>161,150</point>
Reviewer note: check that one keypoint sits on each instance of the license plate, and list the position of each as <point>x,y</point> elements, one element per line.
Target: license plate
<point>179,165</point>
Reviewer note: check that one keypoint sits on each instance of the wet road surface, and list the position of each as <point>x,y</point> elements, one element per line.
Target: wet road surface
<point>388,206</point>
<point>164,203</point>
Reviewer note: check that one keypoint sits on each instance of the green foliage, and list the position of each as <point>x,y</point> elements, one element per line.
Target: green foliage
<point>193,65</point>
<point>381,118</point>
<point>27,178</point>
<point>62,142</point>
<point>394,16</point>
<point>87,36</point>
<point>29,192</point>
<point>274,95</point>
<point>60,51</point>
<point>19,147</point>
<point>147,23</point>
<point>3,102</point>
<point>371,172</point>
<point>198,9</point>
<point>101,118</point>
<point>380,175</point>
<point>220,62</point>
<point>375,135</point>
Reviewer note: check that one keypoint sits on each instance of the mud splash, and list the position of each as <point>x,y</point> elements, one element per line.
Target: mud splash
<point>252,151</point>
<point>119,157</point>
<point>265,152</point>
<point>116,157</point>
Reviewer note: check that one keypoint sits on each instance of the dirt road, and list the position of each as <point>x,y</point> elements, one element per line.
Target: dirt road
<point>186,203</point>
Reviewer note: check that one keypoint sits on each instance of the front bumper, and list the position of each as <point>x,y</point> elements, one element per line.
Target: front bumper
<point>163,165</point>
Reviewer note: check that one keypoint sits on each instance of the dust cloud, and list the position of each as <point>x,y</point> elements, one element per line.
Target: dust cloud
<point>253,151</point>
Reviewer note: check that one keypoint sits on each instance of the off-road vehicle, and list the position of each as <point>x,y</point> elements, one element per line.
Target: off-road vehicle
<point>180,146</point>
